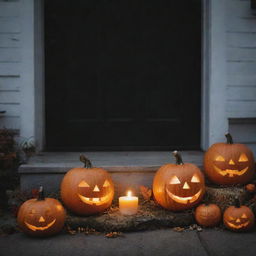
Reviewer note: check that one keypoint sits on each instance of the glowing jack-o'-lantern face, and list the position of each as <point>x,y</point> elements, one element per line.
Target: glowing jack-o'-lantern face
<point>238,223</point>
<point>95,195</point>
<point>238,218</point>
<point>43,222</point>
<point>229,164</point>
<point>232,169</point>
<point>41,217</point>
<point>186,186</point>
<point>88,190</point>
<point>178,186</point>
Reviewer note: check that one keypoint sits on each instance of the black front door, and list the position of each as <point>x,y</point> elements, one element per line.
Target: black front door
<point>122,75</point>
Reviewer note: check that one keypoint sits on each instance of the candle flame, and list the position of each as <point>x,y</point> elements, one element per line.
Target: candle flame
<point>129,193</point>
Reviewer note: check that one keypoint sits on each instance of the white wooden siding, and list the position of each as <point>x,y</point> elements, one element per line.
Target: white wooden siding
<point>241,71</point>
<point>10,63</point>
<point>10,40</point>
<point>241,60</point>
<point>244,131</point>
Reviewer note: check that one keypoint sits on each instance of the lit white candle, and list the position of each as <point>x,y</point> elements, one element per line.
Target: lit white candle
<point>128,205</point>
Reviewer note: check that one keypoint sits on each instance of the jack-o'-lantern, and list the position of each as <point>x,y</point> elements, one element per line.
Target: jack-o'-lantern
<point>178,186</point>
<point>238,218</point>
<point>87,190</point>
<point>208,215</point>
<point>42,216</point>
<point>229,163</point>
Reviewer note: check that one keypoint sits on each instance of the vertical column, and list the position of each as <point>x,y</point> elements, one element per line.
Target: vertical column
<point>27,69</point>
<point>32,75</point>
<point>39,74</point>
<point>214,116</point>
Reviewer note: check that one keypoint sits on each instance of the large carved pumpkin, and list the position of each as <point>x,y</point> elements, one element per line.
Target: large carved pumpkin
<point>178,186</point>
<point>238,218</point>
<point>208,215</point>
<point>42,216</point>
<point>229,163</point>
<point>87,190</point>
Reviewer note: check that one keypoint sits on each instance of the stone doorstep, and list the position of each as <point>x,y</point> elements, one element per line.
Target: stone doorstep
<point>129,170</point>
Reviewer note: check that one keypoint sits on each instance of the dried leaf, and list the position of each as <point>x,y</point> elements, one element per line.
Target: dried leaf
<point>199,229</point>
<point>178,229</point>
<point>146,192</point>
<point>90,231</point>
<point>195,227</point>
<point>70,231</point>
<point>113,234</point>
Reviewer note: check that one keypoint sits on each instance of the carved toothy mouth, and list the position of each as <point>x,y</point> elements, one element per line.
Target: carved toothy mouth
<point>230,172</point>
<point>184,200</point>
<point>35,228</point>
<point>94,200</point>
<point>238,226</point>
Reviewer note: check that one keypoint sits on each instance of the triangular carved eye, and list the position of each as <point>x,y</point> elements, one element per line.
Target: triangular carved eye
<point>231,218</point>
<point>174,180</point>
<point>195,179</point>
<point>244,216</point>
<point>220,159</point>
<point>106,184</point>
<point>243,158</point>
<point>83,184</point>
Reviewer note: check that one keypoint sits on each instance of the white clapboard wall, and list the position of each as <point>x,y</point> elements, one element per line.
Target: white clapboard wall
<point>10,63</point>
<point>241,71</point>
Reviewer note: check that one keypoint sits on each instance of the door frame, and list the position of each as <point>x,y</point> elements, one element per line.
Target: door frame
<point>214,122</point>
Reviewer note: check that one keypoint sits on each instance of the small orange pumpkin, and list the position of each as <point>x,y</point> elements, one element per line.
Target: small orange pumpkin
<point>42,216</point>
<point>238,218</point>
<point>208,215</point>
<point>87,190</point>
<point>229,163</point>
<point>179,186</point>
<point>250,188</point>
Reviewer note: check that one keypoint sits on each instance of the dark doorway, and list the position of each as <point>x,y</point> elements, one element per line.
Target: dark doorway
<point>122,75</point>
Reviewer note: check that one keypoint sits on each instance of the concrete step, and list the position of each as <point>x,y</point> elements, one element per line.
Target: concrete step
<point>129,170</point>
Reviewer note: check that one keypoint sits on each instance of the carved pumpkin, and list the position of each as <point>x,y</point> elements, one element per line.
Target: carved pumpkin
<point>42,216</point>
<point>178,186</point>
<point>238,218</point>
<point>87,190</point>
<point>208,215</point>
<point>229,163</point>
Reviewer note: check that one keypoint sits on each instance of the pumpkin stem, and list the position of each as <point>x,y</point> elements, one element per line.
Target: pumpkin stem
<point>237,202</point>
<point>41,194</point>
<point>86,161</point>
<point>229,138</point>
<point>177,157</point>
